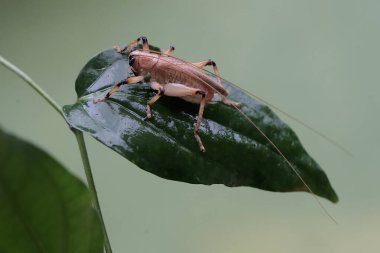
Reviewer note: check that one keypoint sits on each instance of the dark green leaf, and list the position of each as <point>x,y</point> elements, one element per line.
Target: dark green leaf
<point>237,155</point>
<point>43,208</point>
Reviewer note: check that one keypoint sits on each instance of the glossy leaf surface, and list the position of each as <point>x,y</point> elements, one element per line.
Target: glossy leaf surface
<point>43,208</point>
<point>236,153</point>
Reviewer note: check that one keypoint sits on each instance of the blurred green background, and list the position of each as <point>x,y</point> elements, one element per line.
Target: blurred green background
<point>318,60</point>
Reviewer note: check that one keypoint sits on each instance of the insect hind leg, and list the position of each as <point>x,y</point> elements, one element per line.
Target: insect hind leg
<point>199,120</point>
<point>209,62</point>
<point>230,102</point>
<point>170,90</point>
<point>180,90</point>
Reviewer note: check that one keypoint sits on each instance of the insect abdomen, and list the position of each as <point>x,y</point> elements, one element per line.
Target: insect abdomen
<point>189,76</point>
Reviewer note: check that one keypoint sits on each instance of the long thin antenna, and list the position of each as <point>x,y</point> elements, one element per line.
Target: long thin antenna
<point>317,132</point>
<point>328,139</point>
<point>257,128</point>
<point>287,161</point>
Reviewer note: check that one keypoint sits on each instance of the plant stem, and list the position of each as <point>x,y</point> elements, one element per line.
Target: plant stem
<point>29,80</point>
<point>78,135</point>
<point>91,184</point>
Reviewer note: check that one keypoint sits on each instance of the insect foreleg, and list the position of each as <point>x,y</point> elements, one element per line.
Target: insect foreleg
<point>133,44</point>
<point>134,79</point>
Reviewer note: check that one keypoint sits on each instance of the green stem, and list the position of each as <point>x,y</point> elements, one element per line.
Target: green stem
<point>78,135</point>
<point>91,184</point>
<point>29,80</point>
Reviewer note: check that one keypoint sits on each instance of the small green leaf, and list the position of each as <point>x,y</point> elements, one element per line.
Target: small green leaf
<point>43,208</point>
<point>236,153</point>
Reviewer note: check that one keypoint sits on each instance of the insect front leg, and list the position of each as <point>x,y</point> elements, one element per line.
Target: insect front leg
<point>130,80</point>
<point>133,44</point>
<point>203,64</point>
<point>180,90</point>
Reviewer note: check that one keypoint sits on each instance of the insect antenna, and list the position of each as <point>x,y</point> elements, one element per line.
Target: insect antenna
<point>287,161</point>
<point>255,126</point>
<point>322,135</point>
<point>315,131</point>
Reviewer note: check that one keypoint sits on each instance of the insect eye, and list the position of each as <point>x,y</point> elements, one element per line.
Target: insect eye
<point>131,61</point>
